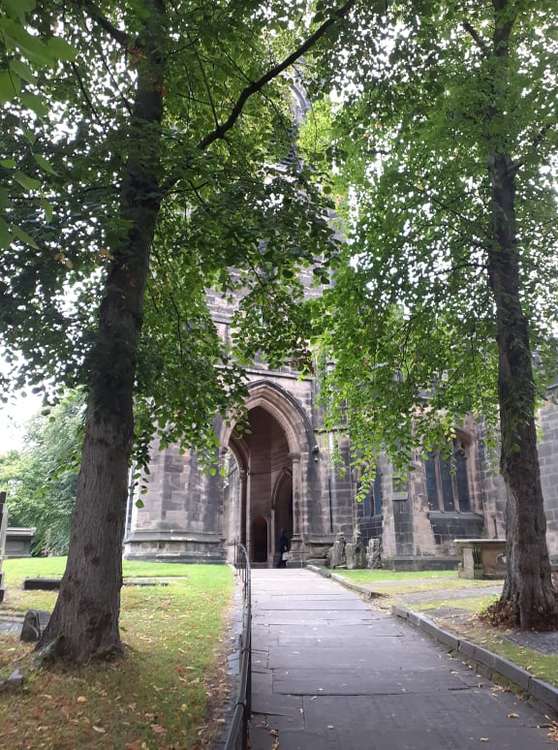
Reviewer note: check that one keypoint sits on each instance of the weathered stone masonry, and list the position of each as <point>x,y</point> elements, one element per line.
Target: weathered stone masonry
<point>281,476</point>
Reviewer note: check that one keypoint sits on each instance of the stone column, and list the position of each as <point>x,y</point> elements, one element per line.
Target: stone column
<point>248,506</point>
<point>242,514</point>
<point>298,510</point>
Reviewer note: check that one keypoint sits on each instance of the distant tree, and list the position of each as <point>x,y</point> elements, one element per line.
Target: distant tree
<point>444,148</point>
<point>41,479</point>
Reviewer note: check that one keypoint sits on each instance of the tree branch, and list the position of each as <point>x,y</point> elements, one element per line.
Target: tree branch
<point>256,86</point>
<point>119,36</point>
<point>485,49</point>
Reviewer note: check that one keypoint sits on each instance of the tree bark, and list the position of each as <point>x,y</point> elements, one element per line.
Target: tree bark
<point>84,623</point>
<point>528,599</point>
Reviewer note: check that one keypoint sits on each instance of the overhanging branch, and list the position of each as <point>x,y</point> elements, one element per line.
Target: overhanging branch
<point>253,88</point>
<point>481,43</point>
<point>117,34</point>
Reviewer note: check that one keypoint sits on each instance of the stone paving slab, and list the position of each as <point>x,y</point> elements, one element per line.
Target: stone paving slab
<point>357,678</point>
<point>366,682</point>
<point>309,605</point>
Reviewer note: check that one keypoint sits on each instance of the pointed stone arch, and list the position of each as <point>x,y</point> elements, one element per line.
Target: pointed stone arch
<point>284,408</point>
<point>289,416</point>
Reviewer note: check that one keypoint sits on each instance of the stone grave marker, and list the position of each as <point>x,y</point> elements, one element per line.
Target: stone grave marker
<point>3,530</point>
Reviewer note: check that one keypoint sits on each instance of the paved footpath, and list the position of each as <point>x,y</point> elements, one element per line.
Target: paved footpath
<point>330,671</point>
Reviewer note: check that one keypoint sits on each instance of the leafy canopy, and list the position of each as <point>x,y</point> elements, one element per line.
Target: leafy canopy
<point>407,334</point>
<point>224,206</point>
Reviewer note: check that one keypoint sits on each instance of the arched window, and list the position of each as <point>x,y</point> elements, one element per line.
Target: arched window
<point>373,502</point>
<point>447,482</point>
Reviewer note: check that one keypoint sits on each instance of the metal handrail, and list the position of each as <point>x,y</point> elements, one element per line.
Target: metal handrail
<point>237,738</point>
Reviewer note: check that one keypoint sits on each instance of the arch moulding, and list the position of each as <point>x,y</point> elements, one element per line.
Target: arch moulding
<point>283,408</point>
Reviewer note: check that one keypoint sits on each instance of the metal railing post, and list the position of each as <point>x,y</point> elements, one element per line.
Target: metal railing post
<point>237,738</point>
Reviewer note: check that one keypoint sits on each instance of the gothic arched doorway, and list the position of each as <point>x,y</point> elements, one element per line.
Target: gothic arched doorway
<point>259,540</point>
<point>268,452</point>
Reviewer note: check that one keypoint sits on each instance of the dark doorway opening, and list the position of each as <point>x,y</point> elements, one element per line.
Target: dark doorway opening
<point>283,506</point>
<point>259,540</point>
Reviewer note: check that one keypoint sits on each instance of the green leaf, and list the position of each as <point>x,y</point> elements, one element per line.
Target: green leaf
<point>18,8</point>
<point>19,233</point>
<point>45,165</point>
<point>31,46</point>
<point>22,70</point>
<point>8,163</point>
<point>4,198</point>
<point>5,234</point>
<point>29,183</point>
<point>35,103</point>
<point>61,49</point>
<point>29,136</point>
<point>47,207</point>
<point>10,86</point>
<point>140,503</point>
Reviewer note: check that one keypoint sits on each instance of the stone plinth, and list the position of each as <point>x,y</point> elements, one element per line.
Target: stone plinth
<point>19,541</point>
<point>481,558</point>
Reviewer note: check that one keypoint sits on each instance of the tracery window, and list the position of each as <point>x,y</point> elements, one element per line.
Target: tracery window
<point>447,481</point>
<point>373,502</point>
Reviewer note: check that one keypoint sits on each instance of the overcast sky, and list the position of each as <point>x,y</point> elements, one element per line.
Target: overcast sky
<point>13,418</point>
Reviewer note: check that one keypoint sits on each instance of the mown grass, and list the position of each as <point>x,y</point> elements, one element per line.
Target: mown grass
<point>473,604</point>
<point>371,576</point>
<point>396,583</point>
<point>156,697</point>
<point>52,567</point>
<point>544,666</point>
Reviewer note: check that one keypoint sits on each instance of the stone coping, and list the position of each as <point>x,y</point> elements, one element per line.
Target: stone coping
<point>53,584</point>
<point>20,532</point>
<point>479,541</point>
<point>490,663</point>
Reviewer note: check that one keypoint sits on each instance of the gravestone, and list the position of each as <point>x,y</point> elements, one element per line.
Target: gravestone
<point>336,554</point>
<point>34,624</point>
<point>374,554</point>
<point>3,529</point>
<point>355,552</point>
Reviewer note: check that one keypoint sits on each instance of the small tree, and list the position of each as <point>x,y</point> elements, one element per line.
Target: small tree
<point>447,143</point>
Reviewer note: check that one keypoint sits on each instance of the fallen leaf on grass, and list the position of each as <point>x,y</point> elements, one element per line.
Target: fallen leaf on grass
<point>158,729</point>
<point>100,730</point>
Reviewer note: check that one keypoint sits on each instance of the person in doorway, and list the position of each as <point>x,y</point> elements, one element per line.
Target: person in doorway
<point>284,546</point>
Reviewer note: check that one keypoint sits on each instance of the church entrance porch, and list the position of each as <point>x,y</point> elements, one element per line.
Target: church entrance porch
<point>258,503</point>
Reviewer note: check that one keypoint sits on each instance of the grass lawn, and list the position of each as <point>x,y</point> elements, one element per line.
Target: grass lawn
<point>396,583</point>
<point>156,697</point>
<point>372,576</point>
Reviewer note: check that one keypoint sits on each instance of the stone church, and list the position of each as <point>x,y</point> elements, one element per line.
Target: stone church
<point>281,476</point>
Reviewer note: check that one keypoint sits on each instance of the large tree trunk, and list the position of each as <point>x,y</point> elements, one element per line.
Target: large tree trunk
<point>528,599</point>
<point>84,623</point>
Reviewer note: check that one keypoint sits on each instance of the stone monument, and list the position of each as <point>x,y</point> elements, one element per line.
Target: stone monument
<point>374,553</point>
<point>3,529</point>
<point>336,554</point>
<point>355,552</point>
